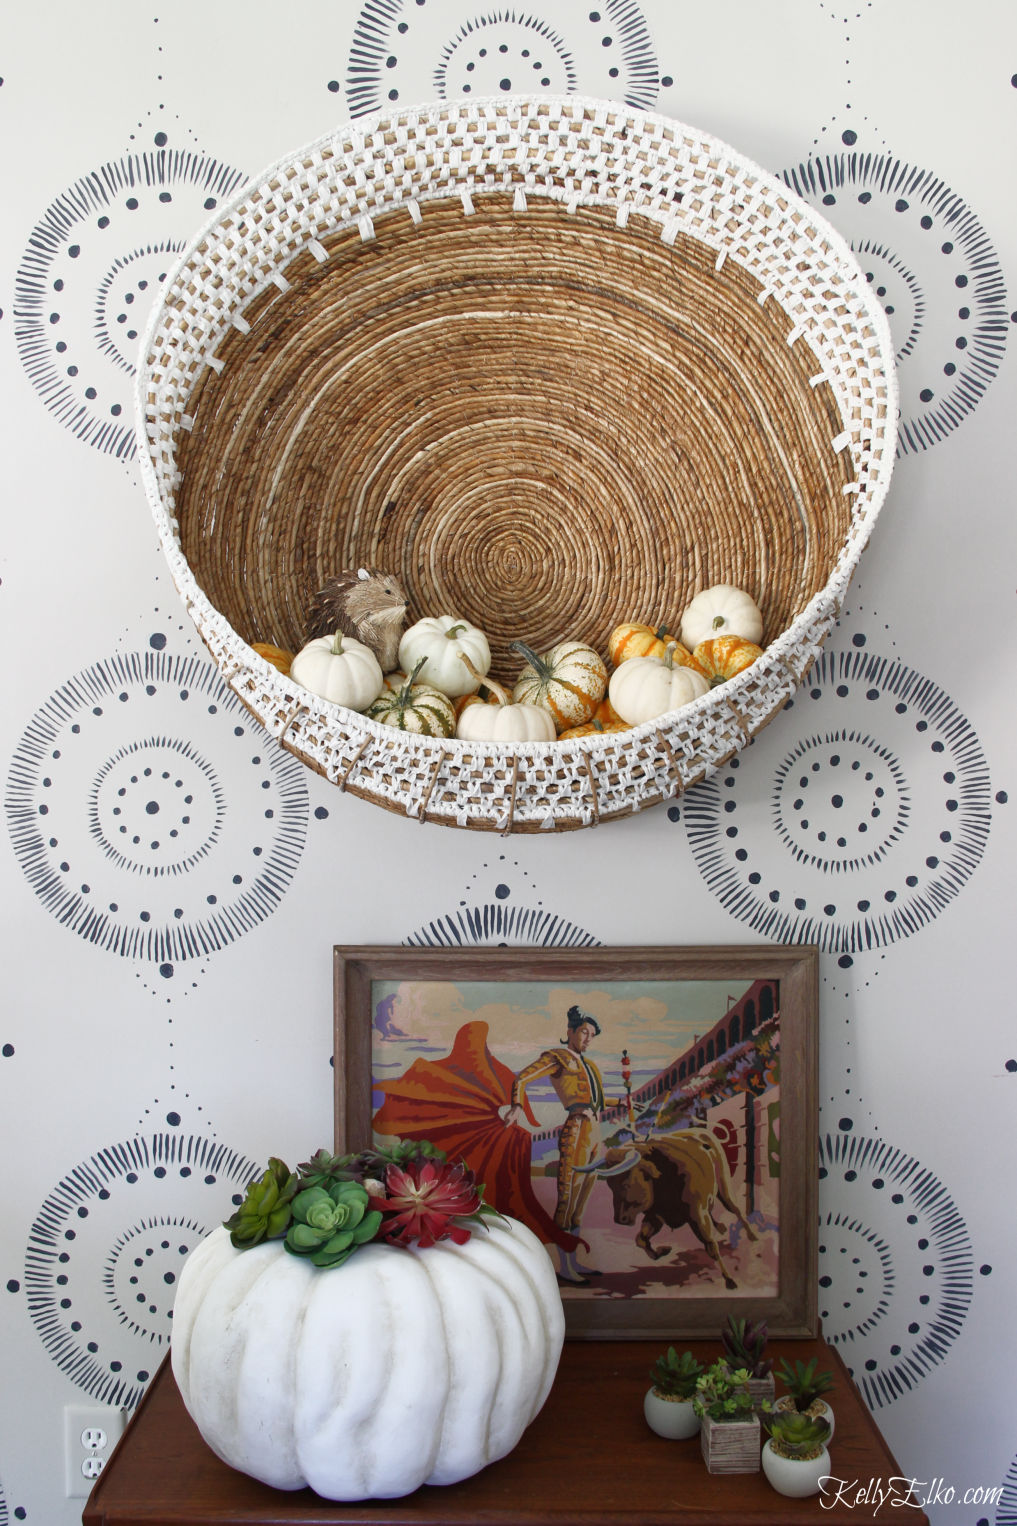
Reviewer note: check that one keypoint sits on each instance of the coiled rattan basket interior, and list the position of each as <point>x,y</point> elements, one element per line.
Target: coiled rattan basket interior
<point>557,365</point>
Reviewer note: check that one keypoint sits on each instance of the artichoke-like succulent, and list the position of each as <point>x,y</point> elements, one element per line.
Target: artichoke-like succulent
<point>330,1223</point>
<point>324,1168</point>
<point>796,1435</point>
<point>265,1211</point>
<point>430,1200</point>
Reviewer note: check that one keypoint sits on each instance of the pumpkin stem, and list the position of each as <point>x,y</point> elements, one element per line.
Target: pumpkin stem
<point>454,630</point>
<point>661,632</point>
<point>719,621</point>
<point>337,644</point>
<point>403,696</point>
<point>668,657</point>
<point>500,694</point>
<point>539,666</point>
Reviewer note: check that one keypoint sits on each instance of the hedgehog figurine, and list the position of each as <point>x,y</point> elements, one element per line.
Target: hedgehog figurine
<point>369,605</point>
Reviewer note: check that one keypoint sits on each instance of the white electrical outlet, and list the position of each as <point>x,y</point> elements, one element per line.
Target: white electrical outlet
<point>90,1434</point>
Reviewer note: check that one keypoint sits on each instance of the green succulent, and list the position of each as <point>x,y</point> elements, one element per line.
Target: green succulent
<point>803,1382</point>
<point>676,1375</point>
<point>266,1209</point>
<point>723,1393</point>
<point>797,1435</point>
<point>323,1168</point>
<point>329,1223</point>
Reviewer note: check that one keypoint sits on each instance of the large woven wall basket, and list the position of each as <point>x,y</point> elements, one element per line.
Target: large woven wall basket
<point>556,365</point>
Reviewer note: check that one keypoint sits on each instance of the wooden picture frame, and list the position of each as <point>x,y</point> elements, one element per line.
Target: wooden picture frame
<point>707,1061</point>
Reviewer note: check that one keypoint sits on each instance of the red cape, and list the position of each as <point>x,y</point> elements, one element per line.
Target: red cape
<point>454,1103</point>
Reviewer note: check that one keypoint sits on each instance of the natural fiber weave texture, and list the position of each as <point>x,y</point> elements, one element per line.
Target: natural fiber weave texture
<point>556,365</point>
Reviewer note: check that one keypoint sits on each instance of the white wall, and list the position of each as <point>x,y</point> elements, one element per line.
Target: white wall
<point>139,1084</point>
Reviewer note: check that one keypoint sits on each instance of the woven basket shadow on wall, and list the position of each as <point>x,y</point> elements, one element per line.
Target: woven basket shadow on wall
<point>557,365</point>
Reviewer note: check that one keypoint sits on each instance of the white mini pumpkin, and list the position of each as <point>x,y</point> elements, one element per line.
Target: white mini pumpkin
<point>722,610</point>
<point>442,641</point>
<point>339,669</point>
<point>645,687</point>
<point>402,1367</point>
<point>505,723</point>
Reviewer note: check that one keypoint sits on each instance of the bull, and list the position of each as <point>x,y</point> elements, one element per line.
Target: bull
<point>673,1179</point>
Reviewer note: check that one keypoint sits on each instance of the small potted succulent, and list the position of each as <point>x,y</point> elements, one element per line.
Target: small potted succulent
<point>668,1405</point>
<point>744,1343</point>
<point>730,1433</point>
<point>805,1389</point>
<point>795,1456</point>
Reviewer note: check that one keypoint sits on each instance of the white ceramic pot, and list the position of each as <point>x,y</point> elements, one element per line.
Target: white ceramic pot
<point>817,1410</point>
<point>795,1477</point>
<point>670,1416</point>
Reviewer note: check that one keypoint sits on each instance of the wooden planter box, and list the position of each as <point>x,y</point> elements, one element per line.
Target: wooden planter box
<point>760,1389</point>
<point>731,1446</point>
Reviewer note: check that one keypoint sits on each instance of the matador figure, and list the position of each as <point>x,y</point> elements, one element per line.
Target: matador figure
<point>580,1090</point>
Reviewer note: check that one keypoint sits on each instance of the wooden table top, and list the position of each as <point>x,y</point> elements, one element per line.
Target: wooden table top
<point>589,1459</point>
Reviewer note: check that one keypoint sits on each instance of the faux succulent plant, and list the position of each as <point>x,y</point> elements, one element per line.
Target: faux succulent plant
<point>803,1382</point>
<point>330,1223</point>
<point>797,1435</point>
<point>722,1393</point>
<point>429,1200</point>
<point>265,1211</point>
<point>676,1375</point>
<point>744,1343</point>
<point>333,1204</point>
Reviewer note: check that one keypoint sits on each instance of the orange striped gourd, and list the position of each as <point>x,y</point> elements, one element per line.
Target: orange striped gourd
<point>637,640</point>
<point>724,657</point>
<point>568,682</point>
<point>278,656</point>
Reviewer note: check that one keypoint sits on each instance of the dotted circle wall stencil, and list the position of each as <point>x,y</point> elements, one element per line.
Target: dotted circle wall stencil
<point>860,830</point>
<point>495,911</point>
<point>88,277</point>
<point>105,1251</point>
<point>499,923</point>
<point>150,814</point>
<point>935,271</point>
<point>601,50</point>
<point>895,1264</point>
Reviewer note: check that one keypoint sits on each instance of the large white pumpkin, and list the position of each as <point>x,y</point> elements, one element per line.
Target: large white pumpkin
<point>402,1367</point>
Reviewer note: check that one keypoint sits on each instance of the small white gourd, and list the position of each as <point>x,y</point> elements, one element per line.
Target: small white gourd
<point>442,641</point>
<point>505,723</point>
<point>340,669</point>
<point>405,1366</point>
<point>721,611</point>
<point>645,687</point>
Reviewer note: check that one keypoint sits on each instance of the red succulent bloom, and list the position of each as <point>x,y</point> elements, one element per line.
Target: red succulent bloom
<point>424,1201</point>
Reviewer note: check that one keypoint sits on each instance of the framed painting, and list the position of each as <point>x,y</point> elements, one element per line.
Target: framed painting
<point>650,1113</point>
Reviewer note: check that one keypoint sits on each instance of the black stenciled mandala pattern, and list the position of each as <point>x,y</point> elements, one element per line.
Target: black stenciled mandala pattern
<point>100,1277</point>
<point>500,924</point>
<point>599,51</point>
<point>934,269</point>
<point>150,814</point>
<point>860,831</point>
<point>895,1265</point>
<point>90,274</point>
